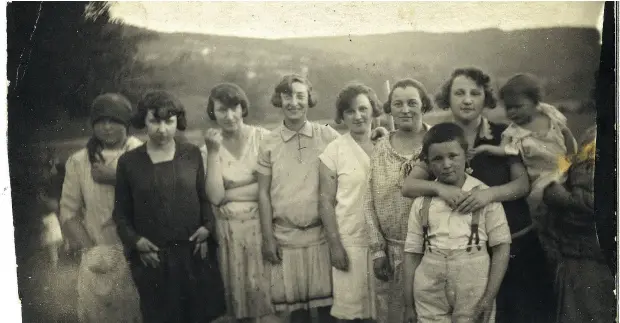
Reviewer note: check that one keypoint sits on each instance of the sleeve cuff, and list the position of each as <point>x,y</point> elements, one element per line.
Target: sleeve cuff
<point>261,169</point>
<point>65,216</point>
<point>378,254</point>
<point>499,236</point>
<point>413,248</point>
<point>511,150</point>
<point>499,242</point>
<point>328,162</point>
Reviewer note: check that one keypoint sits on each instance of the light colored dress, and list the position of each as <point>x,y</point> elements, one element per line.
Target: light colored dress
<point>353,290</point>
<point>82,195</point>
<point>303,279</point>
<point>52,233</point>
<point>246,280</point>
<point>542,155</point>
<point>387,213</point>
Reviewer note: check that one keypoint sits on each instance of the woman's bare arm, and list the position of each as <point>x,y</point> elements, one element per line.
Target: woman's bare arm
<point>214,178</point>
<point>328,185</point>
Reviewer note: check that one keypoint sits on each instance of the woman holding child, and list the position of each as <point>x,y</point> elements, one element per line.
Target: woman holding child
<point>525,293</point>
<point>385,209</point>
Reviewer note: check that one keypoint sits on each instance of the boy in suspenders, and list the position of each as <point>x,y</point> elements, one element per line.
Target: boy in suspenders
<point>449,274</point>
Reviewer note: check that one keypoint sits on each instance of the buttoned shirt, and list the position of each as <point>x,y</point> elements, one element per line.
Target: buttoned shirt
<point>292,160</point>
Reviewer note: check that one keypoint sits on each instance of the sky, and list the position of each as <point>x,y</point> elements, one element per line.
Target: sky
<point>328,18</point>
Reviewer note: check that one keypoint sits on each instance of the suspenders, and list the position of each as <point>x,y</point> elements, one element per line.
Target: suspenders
<point>426,203</point>
<point>474,236</point>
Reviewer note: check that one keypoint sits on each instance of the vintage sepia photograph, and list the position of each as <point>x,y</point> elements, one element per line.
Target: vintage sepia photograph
<point>304,161</point>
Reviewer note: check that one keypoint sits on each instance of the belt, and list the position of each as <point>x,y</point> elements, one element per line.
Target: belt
<point>287,224</point>
<point>395,242</point>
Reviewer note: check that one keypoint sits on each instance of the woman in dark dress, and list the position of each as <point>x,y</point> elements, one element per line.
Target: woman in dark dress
<point>525,295</point>
<point>584,284</point>
<point>165,220</point>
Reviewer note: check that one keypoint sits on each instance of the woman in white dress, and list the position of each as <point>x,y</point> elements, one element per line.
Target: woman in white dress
<point>231,151</point>
<point>89,187</point>
<point>344,169</point>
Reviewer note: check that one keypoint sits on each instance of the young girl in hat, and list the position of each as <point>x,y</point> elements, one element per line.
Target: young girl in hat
<point>87,203</point>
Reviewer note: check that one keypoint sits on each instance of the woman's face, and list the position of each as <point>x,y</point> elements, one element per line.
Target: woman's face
<point>466,98</point>
<point>228,118</point>
<point>160,131</point>
<point>358,118</point>
<point>295,104</point>
<point>406,108</point>
<point>109,131</point>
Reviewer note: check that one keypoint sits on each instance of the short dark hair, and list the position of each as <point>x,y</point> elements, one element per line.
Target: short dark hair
<point>285,86</point>
<point>164,105</point>
<point>442,99</point>
<point>440,133</point>
<point>230,95</point>
<point>427,103</point>
<point>350,92</point>
<point>523,84</point>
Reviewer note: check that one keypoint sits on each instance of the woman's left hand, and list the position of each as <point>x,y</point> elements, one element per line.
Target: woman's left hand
<point>103,174</point>
<point>475,200</point>
<point>200,237</point>
<point>483,310</point>
<point>378,133</point>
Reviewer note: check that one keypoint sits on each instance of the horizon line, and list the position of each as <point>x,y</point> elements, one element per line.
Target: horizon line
<point>585,27</point>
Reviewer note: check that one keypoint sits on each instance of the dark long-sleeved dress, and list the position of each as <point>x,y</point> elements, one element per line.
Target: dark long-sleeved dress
<point>584,283</point>
<point>166,203</point>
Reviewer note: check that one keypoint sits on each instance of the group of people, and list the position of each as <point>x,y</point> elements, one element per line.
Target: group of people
<point>464,221</point>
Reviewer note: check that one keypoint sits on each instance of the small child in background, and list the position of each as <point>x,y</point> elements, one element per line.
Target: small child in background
<point>49,190</point>
<point>538,133</point>
<point>449,274</point>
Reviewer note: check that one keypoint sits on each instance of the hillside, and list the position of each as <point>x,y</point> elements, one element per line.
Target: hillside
<point>190,64</point>
<point>566,58</point>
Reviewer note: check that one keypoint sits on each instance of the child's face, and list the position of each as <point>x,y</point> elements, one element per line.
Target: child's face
<point>109,131</point>
<point>519,108</point>
<point>447,162</point>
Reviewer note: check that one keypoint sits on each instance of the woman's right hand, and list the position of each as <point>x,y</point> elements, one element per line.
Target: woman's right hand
<point>272,251</point>
<point>148,252</point>
<point>340,259</point>
<point>383,270</point>
<point>410,314</point>
<point>452,195</point>
<point>213,139</point>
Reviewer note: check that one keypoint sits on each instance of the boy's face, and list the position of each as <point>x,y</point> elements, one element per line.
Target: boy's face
<point>447,162</point>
